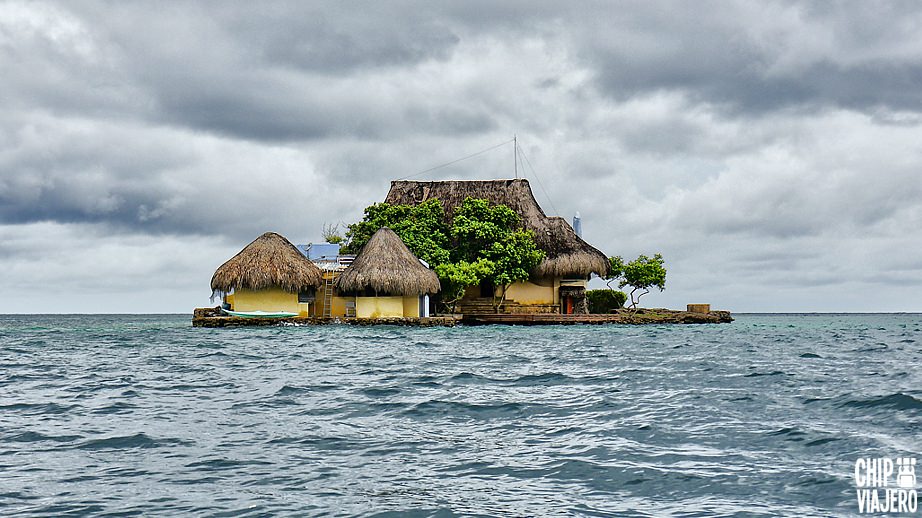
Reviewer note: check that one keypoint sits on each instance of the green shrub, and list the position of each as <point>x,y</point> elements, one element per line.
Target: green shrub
<point>605,301</point>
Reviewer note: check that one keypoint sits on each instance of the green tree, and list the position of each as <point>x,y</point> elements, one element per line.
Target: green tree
<point>477,226</point>
<point>483,243</point>
<point>456,277</point>
<point>641,274</point>
<point>421,227</point>
<point>514,256</point>
<point>484,231</point>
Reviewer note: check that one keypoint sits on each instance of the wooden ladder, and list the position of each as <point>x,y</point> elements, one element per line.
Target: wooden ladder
<point>328,296</point>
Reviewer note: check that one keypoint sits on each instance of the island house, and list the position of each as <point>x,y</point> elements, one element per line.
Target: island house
<point>270,274</point>
<point>557,284</point>
<point>387,280</point>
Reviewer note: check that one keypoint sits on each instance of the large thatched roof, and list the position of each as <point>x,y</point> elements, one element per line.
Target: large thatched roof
<point>567,253</point>
<point>269,261</point>
<point>387,266</point>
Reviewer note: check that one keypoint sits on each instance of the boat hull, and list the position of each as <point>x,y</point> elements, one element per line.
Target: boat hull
<point>259,314</point>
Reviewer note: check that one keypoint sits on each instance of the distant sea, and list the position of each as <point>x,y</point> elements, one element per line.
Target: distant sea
<point>119,415</point>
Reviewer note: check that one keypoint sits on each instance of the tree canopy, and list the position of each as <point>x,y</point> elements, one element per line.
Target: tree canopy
<point>483,242</point>
<point>641,274</point>
<point>421,227</point>
<point>456,277</point>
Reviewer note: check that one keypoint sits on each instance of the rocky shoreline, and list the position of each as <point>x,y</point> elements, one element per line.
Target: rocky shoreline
<point>622,316</point>
<point>212,317</point>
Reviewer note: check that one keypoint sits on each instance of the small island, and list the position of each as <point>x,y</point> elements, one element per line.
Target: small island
<point>440,253</point>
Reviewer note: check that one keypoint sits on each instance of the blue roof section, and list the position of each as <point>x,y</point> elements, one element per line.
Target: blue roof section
<point>320,251</point>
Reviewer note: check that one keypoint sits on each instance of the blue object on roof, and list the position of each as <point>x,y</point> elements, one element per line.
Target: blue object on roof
<point>320,251</point>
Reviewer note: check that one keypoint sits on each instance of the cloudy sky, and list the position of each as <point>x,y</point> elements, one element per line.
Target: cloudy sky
<point>771,151</point>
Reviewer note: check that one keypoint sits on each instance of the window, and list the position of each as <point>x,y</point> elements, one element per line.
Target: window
<point>306,296</point>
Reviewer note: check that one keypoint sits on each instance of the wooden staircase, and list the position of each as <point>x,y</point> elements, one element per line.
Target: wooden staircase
<point>484,306</point>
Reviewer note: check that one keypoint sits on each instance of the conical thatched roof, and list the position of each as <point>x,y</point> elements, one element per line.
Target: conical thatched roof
<point>567,253</point>
<point>269,261</point>
<point>387,266</point>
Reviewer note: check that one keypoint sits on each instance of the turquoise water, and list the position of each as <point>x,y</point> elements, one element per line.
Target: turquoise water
<point>145,415</point>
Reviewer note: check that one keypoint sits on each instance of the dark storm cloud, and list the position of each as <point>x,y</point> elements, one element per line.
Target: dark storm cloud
<point>332,39</point>
<point>272,74</point>
<point>751,58</point>
<point>311,71</point>
<point>265,112</point>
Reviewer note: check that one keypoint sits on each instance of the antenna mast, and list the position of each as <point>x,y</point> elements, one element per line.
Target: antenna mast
<point>515,155</point>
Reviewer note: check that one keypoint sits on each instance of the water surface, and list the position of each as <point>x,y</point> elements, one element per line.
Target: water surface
<point>132,415</point>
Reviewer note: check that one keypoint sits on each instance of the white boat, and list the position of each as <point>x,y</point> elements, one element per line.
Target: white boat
<point>259,314</point>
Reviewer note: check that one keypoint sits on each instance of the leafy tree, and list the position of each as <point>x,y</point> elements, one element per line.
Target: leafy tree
<point>421,227</point>
<point>477,226</point>
<point>641,274</point>
<point>514,257</point>
<point>456,277</point>
<point>491,232</point>
<point>483,243</point>
<point>615,271</point>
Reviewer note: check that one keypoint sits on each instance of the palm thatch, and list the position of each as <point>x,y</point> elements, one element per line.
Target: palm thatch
<point>387,266</point>
<point>567,253</point>
<point>269,261</point>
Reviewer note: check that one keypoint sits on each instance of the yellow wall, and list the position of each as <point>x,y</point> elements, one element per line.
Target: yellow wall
<point>377,307</point>
<point>543,291</point>
<point>339,305</point>
<point>272,299</point>
<point>531,293</point>
<point>411,306</point>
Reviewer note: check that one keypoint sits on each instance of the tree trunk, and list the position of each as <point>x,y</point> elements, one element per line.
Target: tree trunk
<point>634,301</point>
<point>502,299</point>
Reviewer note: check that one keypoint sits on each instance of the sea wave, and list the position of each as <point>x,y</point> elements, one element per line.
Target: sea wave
<point>145,415</point>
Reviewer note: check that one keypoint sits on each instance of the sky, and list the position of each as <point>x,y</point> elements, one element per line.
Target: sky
<point>771,151</point>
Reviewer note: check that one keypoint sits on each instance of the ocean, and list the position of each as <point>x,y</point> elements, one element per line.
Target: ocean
<point>125,415</point>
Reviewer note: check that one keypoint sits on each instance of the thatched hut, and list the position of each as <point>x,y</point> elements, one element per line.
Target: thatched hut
<point>569,261</point>
<point>388,280</point>
<point>269,274</point>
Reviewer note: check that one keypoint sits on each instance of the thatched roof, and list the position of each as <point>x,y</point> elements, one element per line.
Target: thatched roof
<point>387,266</point>
<point>567,253</point>
<point>269,261</point>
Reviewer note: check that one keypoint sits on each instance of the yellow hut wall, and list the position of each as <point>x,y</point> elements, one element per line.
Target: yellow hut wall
<point>271,299</point>
<point>380,307</point>
<point>337,303</point>
<point>544,291</point>
<point>411,306</point>
<point>536,295</point>
<point>376,307</point>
